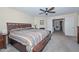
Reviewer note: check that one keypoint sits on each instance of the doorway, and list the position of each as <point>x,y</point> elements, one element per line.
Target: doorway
<point>58,25</point>
<point>61,25</point>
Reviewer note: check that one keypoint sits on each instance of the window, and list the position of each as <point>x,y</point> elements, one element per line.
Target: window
<point>41,22</point>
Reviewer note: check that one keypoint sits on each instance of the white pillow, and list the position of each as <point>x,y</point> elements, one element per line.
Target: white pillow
<point>17,29</point>
<point>28,28</point>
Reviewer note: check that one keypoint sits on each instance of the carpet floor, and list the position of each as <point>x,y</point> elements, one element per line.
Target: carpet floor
<point>58,43</point>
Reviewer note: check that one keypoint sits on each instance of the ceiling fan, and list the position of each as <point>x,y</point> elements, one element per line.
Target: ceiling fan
<point>47,10</point>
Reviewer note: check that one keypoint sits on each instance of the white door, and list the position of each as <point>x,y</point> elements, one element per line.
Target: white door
<point>70,26</point>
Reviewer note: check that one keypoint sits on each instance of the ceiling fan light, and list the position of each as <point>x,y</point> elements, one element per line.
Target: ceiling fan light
<point>46,12</point>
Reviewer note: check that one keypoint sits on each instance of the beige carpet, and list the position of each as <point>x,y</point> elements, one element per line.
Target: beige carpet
<point>58,43</point>
<point>61,43</point>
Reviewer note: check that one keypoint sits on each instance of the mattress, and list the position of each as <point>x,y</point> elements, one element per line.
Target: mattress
<point>29,37</point>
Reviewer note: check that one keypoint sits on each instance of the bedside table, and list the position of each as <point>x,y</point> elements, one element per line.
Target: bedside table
<point>2,41</point>
<point>42,28</point>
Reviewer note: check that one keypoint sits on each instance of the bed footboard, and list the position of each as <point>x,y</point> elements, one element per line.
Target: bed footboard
<point>40,46</point>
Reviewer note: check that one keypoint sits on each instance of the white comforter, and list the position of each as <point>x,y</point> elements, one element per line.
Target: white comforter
<point>30,37</point>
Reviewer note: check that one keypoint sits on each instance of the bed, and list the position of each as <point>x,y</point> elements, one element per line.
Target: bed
<point>26,39</point>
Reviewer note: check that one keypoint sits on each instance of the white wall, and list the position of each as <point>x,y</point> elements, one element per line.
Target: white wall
<point>49,24</point>
<point>12,15</point>
<point>70,23</point>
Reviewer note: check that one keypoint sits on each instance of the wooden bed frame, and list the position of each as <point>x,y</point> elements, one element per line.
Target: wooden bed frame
<point>38,48</point>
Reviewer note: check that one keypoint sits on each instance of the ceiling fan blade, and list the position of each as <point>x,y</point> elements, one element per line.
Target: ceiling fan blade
<point>42,10</point>
<point>52,12</point>
<point>51,8</point>
<point>46,9</point>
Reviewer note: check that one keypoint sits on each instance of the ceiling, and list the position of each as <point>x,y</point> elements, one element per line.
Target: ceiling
<point>34,11</point>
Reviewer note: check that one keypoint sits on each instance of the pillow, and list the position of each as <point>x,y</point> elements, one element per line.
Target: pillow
<point>17,29</point>
<point>28,28</point>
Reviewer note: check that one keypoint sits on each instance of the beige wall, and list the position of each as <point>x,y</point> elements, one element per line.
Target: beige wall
<point>12,15</point>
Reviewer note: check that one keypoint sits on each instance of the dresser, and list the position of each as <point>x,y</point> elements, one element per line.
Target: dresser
<point>78,34</point>
<point>2,41</point>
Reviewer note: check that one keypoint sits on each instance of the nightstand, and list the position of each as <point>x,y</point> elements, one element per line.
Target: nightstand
<point>2,41</point>
<point>42,28</point>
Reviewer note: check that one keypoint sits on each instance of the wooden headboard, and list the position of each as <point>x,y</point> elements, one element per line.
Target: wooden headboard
<point>17,25</point>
